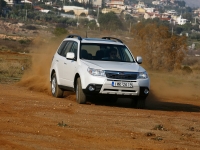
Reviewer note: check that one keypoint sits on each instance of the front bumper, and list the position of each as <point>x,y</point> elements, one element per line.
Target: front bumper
<point>107,89</point>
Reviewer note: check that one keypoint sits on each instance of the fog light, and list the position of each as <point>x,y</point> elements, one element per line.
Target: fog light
<point>91,88</point>
<point>146,91</point>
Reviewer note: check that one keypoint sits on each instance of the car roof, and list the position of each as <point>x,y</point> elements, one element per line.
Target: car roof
<point>98,40</point>
<point>103,40</point>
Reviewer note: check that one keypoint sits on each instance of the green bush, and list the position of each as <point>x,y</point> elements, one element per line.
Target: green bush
<point>58,31</point>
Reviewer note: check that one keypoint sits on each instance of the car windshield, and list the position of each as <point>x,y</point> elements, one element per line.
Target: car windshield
<point>105,52</point>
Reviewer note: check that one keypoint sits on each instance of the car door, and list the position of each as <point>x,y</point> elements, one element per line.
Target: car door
<point>56,63</point>
<point>63,65</point>
<point>70,66</point>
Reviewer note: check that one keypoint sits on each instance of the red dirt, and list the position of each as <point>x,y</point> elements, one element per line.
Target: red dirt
<point>29,120</point>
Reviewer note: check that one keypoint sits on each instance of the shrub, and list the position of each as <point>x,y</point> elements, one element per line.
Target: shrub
<point>60,31</point>
<point>27,41</point>
<point>30,27</point>
<point>187,69</point>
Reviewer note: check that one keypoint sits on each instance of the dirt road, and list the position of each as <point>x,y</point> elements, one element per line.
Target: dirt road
<point>34,120</point>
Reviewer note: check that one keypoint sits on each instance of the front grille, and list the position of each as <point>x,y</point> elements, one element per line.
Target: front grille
<point>121,75</point>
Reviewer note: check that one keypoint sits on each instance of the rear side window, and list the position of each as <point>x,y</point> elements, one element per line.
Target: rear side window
<point>61,47</point>
<point>66,48</point>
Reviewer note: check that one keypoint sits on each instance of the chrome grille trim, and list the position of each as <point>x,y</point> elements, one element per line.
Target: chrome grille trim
<point>121,75</point>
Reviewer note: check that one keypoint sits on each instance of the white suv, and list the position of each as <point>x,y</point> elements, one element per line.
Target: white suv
<point>98,67</point>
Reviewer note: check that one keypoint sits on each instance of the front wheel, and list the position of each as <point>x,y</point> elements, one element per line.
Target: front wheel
<point>141,102</point>
<point>55,90</point>
<point>80,96</point>
<point>138,102</point>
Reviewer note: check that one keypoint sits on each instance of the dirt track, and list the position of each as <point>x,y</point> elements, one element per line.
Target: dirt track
<point>34,120</point>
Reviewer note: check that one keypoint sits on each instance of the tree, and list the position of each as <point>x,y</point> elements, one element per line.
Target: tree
<point>92,24</point>
<point>159,47</point>
<point>188,16</point>
<point>180,3</point>
<point>2,5</point>
<point>110,21</point>
<point>179,30</point>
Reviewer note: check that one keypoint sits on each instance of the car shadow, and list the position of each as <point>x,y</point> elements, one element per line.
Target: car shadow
<point>152,103</point>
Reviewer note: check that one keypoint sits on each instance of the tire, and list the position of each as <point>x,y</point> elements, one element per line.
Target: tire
<point>113,99</point>
<point>80,96</point>
<point>141,102</point>
<point>134,102</point>
<point>55,90</point>
<point>138,102</point>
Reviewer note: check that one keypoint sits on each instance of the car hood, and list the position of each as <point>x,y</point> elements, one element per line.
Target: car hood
<point>114,65</point>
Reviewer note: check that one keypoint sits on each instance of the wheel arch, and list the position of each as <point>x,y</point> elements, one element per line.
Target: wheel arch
<point>52,72</point>
<point>75,80</point>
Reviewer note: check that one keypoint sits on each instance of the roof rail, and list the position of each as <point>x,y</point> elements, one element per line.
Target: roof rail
<point>73,35</point>
<point>109,38</point>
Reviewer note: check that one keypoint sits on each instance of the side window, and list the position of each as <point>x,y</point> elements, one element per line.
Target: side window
<point>66,48</point>
<point>74,48</point>
<point>61,47</point>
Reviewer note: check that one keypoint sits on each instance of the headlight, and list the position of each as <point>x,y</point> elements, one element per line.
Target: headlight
<point>142,75</point>
<point>96,72</point>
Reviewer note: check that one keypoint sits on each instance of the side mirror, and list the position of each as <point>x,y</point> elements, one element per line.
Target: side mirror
<point>139,59</point>
<point>70,55</point>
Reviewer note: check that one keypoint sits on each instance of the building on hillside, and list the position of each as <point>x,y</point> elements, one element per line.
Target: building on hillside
<point>148,15</point>
<point>77,10</point>
<point>180,20</point>
<point>125,7</point>
<point>156,2</point>
<point>45,10</point>
<point>115,3</point>
<point>95,3</point>
<point>68,15</point>
<point>197,11</point>
<point>12,2</point>
<point>37,8</point>
<point>115,10</point>
<point>141,10</point>
<point>150,10</point>
<point>165,18</point>
<point>26,2</point>
<point>48,3</point>
<point>140,5</point>
<point>172,12</point>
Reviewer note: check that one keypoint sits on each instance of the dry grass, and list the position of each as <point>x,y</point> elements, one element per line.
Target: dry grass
<point>175,84</point>
<point>12,66</point>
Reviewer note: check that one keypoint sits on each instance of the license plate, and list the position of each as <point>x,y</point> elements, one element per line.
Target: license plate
<point>122,84</point>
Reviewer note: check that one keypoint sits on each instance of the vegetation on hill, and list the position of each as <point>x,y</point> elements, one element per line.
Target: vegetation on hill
<point>160,48</point>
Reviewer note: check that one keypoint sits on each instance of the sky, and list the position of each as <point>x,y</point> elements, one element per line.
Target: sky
<point>192,3</point>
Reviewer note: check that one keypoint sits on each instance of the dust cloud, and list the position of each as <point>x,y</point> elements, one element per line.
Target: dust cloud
<point>36,78</point>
